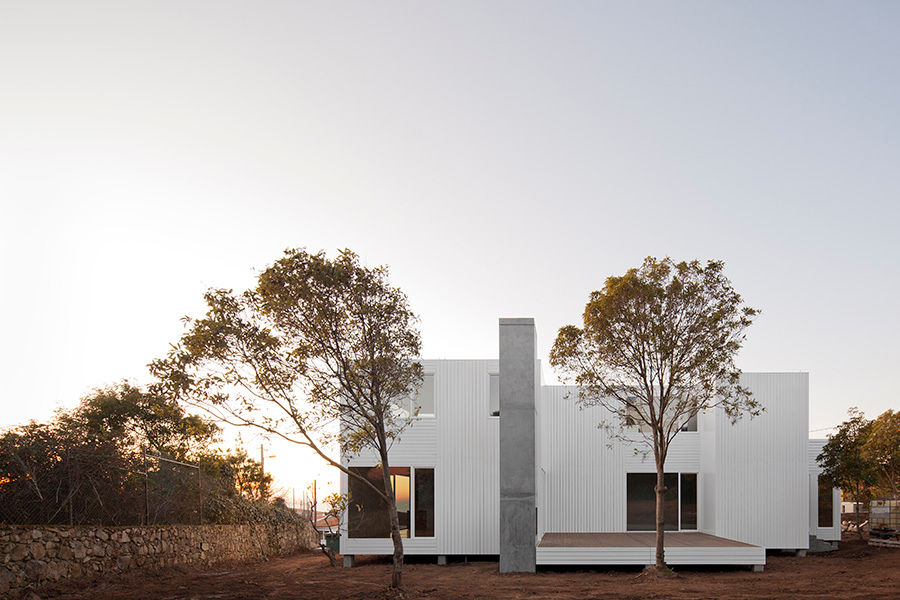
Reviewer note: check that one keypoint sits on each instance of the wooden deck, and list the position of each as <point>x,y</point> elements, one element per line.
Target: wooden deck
<point>639,548</point>
<point>636,539</point>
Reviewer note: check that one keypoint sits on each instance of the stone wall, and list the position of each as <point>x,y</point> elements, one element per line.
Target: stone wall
<point>32,556</point>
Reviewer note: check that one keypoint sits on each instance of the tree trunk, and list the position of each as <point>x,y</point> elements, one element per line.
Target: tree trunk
<point>397,567</point>
<point>856,510</point>
<point>660,516</point>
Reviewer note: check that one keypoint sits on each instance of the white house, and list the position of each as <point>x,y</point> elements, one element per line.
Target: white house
<point>496,463</point>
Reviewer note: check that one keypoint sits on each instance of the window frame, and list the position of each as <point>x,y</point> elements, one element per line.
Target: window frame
<point>678,474</point>
<point>412,502</point>
<point>409,404</point>
<point>489,413</point>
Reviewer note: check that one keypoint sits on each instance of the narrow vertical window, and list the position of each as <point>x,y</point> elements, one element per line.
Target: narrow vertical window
<point>424,521</point>
<point>826,504</point>
<point>494,398</point>
<point>400,483</point>
<point>689,501</point>
<point>424,400</point>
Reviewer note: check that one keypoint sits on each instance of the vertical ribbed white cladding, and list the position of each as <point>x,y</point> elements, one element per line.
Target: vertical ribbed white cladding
<point>832,533</point>
<point>761,478</point>
<point>582,478</point>
<point>461,442</point>
<point>467,475</point>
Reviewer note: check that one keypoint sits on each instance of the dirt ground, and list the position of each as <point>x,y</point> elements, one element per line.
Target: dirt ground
<point>855,571</point>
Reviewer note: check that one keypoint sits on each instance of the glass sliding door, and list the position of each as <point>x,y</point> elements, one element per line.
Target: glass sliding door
<point>641,501</point>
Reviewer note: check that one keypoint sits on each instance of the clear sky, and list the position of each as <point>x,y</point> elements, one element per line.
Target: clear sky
<point>503,158</point>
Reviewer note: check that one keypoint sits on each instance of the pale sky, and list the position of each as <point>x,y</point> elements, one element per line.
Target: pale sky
<point>503,158</point>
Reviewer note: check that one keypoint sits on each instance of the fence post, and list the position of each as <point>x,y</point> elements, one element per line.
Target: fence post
<point>146,489</point>
<point>71,491</point>
<point>200,495</point>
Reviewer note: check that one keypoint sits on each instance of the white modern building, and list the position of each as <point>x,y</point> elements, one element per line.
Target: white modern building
<point>496,463</point>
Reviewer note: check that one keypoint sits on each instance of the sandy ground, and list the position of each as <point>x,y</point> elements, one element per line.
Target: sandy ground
<point>854,571</point>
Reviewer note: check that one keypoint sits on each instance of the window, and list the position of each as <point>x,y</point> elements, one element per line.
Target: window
<point>633,421</point>
<point>679,511</point>
<point>826,504</point>
<point>642,502</point>
<point>424,399</point>
<point>688,500</point>
<point>494,398</point>
<point>424,502</point>
<point>691,424</point>
<point>368,512</point>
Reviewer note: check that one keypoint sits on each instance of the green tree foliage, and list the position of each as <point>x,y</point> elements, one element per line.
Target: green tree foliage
<point>85,466</point>
<point>882,450</point>
<point>656,348</point>
<point>845,463</point>
<point>316,341</point>
<point>136,418</point>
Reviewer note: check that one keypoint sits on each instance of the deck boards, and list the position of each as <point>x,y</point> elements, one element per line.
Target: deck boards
<point>637,539</point>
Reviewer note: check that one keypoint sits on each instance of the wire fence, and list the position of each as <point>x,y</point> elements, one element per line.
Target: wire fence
<point>88,488</point>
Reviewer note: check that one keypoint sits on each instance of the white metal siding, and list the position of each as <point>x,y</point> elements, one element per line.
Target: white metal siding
<point>832,533</point>
<point>761,491</point>
<point>468,467</point>
<point>583,478</point>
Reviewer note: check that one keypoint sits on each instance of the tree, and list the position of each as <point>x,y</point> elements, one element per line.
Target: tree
<point>317,341</point>
<point>657,348</point>
<point>882,449</point>
<point>137,418</point>
<point>844,462</point>
<point>328,523</point>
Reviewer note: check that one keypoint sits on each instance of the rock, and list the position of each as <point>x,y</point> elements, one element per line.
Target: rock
<point>36,569</point>
<point>123,537</point>
<point>65,553</point>
<point>78,550</point>
<point>102,534</point>
<point>124,562</point>
<point>36,534</point>
<point>20,552</point>
<point>37,550</point>
<point>6,579</point>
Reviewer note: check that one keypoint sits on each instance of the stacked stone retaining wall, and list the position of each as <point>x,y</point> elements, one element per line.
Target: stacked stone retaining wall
<point>33,556</point>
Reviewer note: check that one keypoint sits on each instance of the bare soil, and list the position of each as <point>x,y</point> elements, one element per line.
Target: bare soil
<point>855,571</point>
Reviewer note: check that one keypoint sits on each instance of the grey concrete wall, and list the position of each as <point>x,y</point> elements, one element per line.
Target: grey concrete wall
<point>517,445</point>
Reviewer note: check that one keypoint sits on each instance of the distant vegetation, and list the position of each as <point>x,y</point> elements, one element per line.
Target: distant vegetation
<point>87,466</point>
<point>863,456</point>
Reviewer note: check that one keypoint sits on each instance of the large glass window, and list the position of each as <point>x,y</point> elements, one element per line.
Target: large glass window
<point>494,398</point>
<point>424,521</point>
<point>689,501</point>
<point>641,501</point>
<point>826,504</point>
<point>368,512</point>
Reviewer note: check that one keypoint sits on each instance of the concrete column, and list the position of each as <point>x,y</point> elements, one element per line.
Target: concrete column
<point>348,561</point>
<point>442,559</point>
<point>518,379</point>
